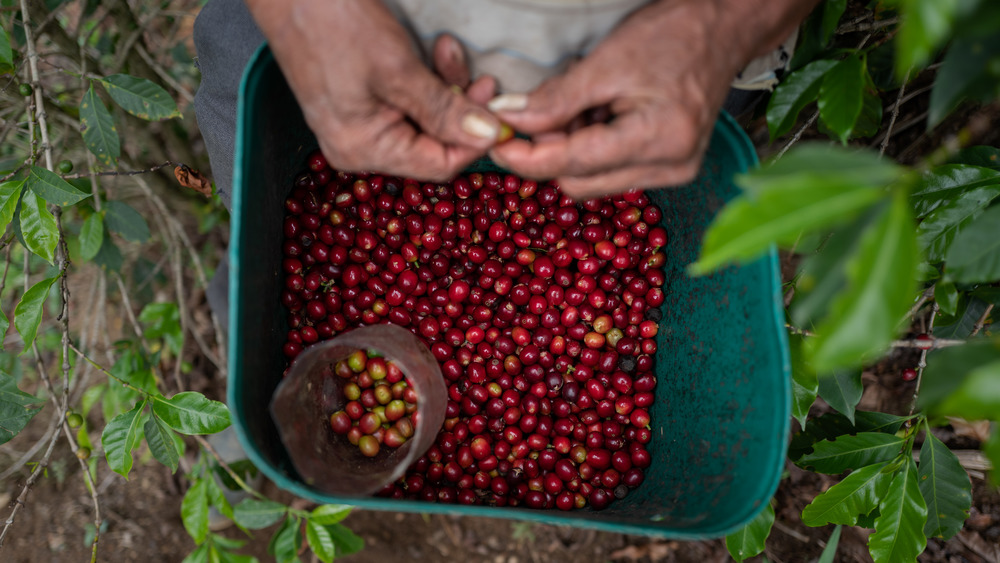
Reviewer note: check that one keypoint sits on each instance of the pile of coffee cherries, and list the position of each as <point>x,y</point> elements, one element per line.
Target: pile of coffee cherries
<point>381,406</point>
<point>541,311</point>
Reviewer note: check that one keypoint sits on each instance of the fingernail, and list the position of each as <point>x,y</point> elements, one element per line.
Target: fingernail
<point>508,102</point>
<point>478,126</point>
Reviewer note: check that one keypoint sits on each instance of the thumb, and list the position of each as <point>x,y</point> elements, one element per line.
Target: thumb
<point>554,104</point>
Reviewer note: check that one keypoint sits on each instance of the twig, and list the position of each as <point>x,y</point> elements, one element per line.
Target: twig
<point>982,320</point>
<point>218,458</point>
<point>924,297</point>
<point>922,364</point>
<point>177,86</point>
<point>853,27</point>
<point>30,482</point>
<point>895,113</point>
<point>798,135</point>
<point>119,172</point>
<point>17,465</point>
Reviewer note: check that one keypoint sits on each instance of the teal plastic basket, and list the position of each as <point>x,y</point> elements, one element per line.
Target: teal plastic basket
<point>721,416</point>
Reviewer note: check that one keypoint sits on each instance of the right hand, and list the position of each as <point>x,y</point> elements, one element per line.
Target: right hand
<point>368,97</point>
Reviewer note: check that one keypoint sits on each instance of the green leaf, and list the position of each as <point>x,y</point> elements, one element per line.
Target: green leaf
<point>217,498</point>
<point>41,234</point>
<point>899,529</point>
<point>121,218</point>
<point>99,133</point>
<point>991,447</point>
<point>833,424</point>
<point>842,390</point>
<point>286,541</point>
<point>864,319</point>
<point>326,514</point>
<point>194,511</point>
<point>793,94</point>
<point>818,164</point>
<point>199,555</point>
<point>938,229</point>
<point>6,53</point>
<point>256,514</point>
<point>805,385</point>
<point>320,541</point>
<point>28,312</point>
<point>960,325</point>
<point>830,551</point>
<point>10,195</point>
<point>832,11</point>
<point>749,540</point>
<point>946,488</point>
<point>91,236</point>
<point>17,408</point>
<point>108,257</point>
<point>120,437</point>
<point>965,74</point>
<point>948,369</point>
<point>161,442</point>
<point>841,96</point>
<point>852,452</point>
<point>858,493</point>
<point>978,395</point>
<point>347,542</point>
<point>982,156</point>
<point>974,256</point>
<point>140,97</point>
<point>946,296</point>
<point>53,189</point>
<point>949,182</point>
<point>926,25</point>
<point>163,320</point>
<point>190,412</point>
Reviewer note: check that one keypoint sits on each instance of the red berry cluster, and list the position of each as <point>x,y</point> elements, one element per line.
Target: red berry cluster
<point>541,311</point>
<point>381,406</point>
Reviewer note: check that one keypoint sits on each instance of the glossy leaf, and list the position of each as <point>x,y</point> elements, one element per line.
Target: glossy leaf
<point>864,319</point>
<point>17,408</point>
<point>858,493</point>
<point>946,488</point>
<point>968,310</point>
<point>833,424</point>
<point>10,195</point>
<point>256,514</point>
<point>140,97</point>
<point>347,542</point>
<point>190,412</point>
<point>984,156</point>
<point>793,94</point>
<point>926,25</point>
<point>946,296</point>
<point>52,188</point>
<point>121,218</point>
<point>974,255</point>
<point>38,226</point>
<point>98,127</point>
<point>899,529</point>
<point>852,452</point>
<point>194,511</point>
<point>327,514</point>
<point>950,182</point>
<point>964,74</point>
<point>832,11</point>
<point>161,442</point>
<point>817,164</point>
<point>217,498</point>
<point>199,555</point>
<point>320,541</point>
<point>842,390</point>
<point>805,385</point>
<point>841,96</point>
<point>120,437</point>
<point>91,236</point>
<point>286,541</point>
<point>937,231</point>
<point>28,313</point>
<point>748,541</point>
<point>830,551</point>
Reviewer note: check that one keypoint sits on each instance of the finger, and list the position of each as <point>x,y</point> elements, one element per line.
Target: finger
<point>482,90</point>
<point>636,177</point>
<point>442,113</point>
<point>404,151</point>
<point>450,62</point>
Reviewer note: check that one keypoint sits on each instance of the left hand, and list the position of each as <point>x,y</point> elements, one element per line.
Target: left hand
<point>663,73</point>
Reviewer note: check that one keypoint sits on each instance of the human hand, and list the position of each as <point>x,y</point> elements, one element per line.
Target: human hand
<point>663,74</point>
<point>367,96</point>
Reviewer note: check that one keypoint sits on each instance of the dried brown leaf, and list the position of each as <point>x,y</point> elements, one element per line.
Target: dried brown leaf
<point>190,178</point>
<point>979,429</point>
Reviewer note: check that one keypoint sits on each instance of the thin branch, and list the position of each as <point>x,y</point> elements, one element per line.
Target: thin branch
<point>923,362</point>
<point>798,135</point>
<point>982,320</point>
<point>121,173</point>
<point>853,27</point>
<point>159,70</point>
<point>895,113</point>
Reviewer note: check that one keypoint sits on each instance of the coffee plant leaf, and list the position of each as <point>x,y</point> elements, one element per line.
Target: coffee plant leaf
<point>856,494</point>
<point>286,541</point>
<point>194,511</point>
<point>38,227</point>
<point>805,385</point>
<point>199,555</point>
<point>17,408</point>
<point>852,452</point>
<point>163,320</point>
<point>899,529</point>
<point>749,540</point>
<point>191,412</point>
<point>816,164</point>
<point>120,437</point>
<point>109,258</point>
<point>256,514</point>
<point>160,439</point>
<point>841,96</point>
<point>327,514</point>
<point>950,182</point>
<point>864,319</point>
<point>123,219</point>
<point>964,74</point>
<point>793,94</point>
<point>991,448</point>
<point>98,127</point>
<point>320,541</point>
<point>842,390</point>
<point>977,397</point>
<point>946,296</point>
<point>946,488</point>
<point>52,188</point>
<point>982,156</point>
<point>28,312</point>
<point>925,25</point>
<point>91,236</point>
<point>832,12</point>
<point>6,53</point>
<point>227,556</point>
<point>217,498</point>
<point>10,195</point>
<point>830,551</point>
<point>140,97</point>
<point>968,311</point>
<point>347,542</point>
<point>974,255</point>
